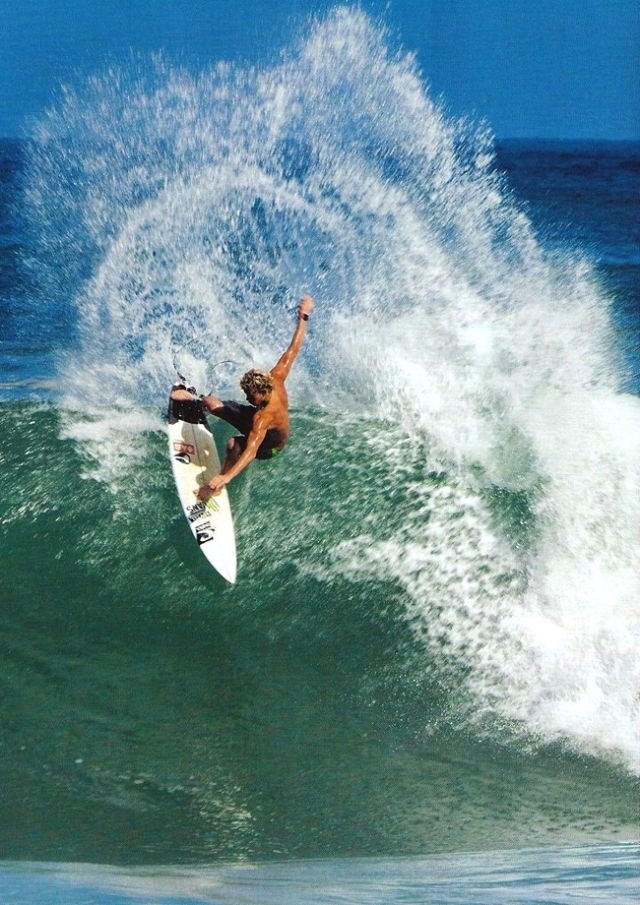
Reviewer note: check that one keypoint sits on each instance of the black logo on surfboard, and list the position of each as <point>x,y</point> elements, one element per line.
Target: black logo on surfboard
<point>197,510</point>
<point>204,533</point>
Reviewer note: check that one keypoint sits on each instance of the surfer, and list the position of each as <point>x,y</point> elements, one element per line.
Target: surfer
<point>264,423</point>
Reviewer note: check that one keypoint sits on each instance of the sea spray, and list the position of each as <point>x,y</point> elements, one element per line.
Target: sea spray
<point>186,213</point>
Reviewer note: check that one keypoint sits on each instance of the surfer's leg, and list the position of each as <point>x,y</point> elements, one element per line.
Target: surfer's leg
<point>212,404</point>
<point>235,414</point>
<point>235,448</point>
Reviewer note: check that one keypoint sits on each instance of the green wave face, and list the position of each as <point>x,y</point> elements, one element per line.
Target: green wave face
<point>306,711</point>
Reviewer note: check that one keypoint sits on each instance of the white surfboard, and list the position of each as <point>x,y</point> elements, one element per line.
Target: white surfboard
<point>194,459</point>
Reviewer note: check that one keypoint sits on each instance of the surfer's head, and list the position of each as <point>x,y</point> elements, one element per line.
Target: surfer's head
<point>257,386</point>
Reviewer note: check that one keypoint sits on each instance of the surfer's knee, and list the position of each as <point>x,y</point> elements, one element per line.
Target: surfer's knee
<point>181,394</point>
<point>235,446</point>
<point>212,403</point>
<point>234,449</point>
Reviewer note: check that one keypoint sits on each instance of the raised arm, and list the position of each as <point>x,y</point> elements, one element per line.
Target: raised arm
<point>282,368</point>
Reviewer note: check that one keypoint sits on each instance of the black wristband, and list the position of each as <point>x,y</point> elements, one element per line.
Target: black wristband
<point>305,317</point>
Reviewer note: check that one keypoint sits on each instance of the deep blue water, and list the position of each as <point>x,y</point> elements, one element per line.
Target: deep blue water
<point>586,194</point>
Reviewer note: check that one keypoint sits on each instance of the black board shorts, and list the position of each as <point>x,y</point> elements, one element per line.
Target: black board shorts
<point>241,417</point>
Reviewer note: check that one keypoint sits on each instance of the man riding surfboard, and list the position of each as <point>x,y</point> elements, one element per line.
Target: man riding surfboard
<point>264,423</point>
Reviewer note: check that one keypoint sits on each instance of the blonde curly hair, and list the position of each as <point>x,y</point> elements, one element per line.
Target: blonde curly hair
<point>255,381</point>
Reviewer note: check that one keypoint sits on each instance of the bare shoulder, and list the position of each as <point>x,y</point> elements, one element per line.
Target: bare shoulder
<point>279,371</point>
<point>274,414</point>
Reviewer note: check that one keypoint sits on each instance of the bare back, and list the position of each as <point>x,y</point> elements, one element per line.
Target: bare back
<point>274,416</point>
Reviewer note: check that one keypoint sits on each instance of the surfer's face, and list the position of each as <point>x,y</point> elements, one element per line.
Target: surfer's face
<point>256,398</point>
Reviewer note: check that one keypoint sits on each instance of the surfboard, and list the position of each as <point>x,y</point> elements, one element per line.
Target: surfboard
<point>195,460</point>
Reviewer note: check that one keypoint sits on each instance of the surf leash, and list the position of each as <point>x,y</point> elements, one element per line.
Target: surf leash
<point>185,382</point>
<point>177,370</point>
<point>225,361</point>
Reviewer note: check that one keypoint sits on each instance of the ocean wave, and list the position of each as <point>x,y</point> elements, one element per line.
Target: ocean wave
<point>185,214</point>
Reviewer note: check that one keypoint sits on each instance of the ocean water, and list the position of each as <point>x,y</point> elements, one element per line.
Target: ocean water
<point>428,667</point>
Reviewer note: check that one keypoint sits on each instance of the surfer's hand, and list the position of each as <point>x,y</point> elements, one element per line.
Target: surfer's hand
<point>305,306</point>
<point>213,488</point>
<point>216,484</point>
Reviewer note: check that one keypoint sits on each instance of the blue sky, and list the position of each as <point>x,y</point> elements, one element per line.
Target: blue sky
<point>532,68</point>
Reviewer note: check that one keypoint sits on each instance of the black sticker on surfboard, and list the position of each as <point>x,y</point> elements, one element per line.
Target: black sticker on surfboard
<point>204,533</point>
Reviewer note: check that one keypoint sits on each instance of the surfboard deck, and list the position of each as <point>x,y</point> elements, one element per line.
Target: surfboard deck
<point>194,461</point>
